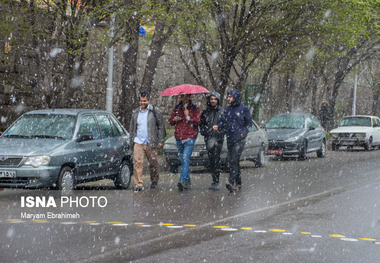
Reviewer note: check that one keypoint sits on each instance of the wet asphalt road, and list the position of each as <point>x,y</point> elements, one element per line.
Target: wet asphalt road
<point>318,210</point>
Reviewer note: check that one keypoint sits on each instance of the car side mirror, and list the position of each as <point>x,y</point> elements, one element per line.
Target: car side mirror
<point>84,137</point>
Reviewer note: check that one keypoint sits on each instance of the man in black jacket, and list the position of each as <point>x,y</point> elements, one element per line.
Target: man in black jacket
<point>213,139</point>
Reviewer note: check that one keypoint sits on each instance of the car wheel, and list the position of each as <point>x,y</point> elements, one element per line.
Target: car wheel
<point>123,178</point>
<point>66,179</point>
<point>335,147</point>
<point>303,151</point>
<point>368,146</point>
<point>322,152</point>
<point>260,158</point>
<point>173,169</point>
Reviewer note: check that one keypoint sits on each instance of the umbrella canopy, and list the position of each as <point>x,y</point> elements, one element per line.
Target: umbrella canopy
<point>183,89</point>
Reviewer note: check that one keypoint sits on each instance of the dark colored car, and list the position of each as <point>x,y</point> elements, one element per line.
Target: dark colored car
<point>254,150</point>
<point>295,134</point>
<point>62,147</point>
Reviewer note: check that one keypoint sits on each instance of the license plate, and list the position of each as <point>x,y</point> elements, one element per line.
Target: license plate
<point>9,174</point>
<point>195,154</point>
<point>274,152</point>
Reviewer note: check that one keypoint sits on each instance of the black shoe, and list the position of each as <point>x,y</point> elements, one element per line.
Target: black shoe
<point>187,185</point>
<point>214,187</point>
<point>231,188</point>
<point>138,188</point>
<point>180,186</point>
<point>153,185</point>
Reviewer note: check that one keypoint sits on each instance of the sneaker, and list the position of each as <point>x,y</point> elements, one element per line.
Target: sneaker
<point>214,187</point>
<point>153,185</point>
<point>231,188</point>
<point>138,189</point>
<point>180,186</point>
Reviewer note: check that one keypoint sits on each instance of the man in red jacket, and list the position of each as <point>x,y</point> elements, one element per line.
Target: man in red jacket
<point>186,117</point>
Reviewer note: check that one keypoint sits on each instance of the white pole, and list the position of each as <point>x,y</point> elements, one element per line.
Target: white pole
<point>355,89</point>
<point>354,99</point>
<point>109,99</point>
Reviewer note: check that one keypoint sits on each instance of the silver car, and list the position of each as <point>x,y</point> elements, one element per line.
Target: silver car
<point>254,150</point>
<point>62,147</point>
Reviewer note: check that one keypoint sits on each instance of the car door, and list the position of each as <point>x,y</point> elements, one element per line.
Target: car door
<point>312,134</point>
<point>113,144</point>
<point>90,152</point>
<point>376,130</point>
<point>253,143</point>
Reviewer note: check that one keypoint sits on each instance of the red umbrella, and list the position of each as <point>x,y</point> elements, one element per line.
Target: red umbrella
<point>184,89</point>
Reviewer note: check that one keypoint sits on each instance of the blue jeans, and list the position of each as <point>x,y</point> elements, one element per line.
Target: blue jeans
<point>184,150</point>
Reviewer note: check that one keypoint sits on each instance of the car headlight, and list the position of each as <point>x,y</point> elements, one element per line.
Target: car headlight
<point>37,161</point>
<point>293,139</point>
<point>360,135</point>
<point>170,146</point>
<point>334,135</point>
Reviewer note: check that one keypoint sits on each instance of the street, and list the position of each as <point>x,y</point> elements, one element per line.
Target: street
<point>317,210</point>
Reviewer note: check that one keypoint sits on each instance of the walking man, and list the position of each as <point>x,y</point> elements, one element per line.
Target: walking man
<point>235,122</point>
<point>148,133</point>
<point>213,138</point>
<point>186,118</point>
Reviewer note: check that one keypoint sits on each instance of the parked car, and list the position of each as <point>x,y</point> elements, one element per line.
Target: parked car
<point>254,150</point>
<point>62,147</point>
<point>295,134</point>
<point>358,130</point>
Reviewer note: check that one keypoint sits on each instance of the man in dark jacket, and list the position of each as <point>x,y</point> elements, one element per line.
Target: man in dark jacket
<point>213,139</point>
<point>235,122</point>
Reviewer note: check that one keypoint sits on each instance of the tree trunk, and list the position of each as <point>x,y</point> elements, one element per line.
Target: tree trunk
<point>159,39</point>
<point>128,90</point>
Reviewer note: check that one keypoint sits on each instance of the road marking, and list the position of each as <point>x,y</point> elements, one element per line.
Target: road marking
<point>187,225</point>
<point>221,227</point>
<point>349,239</point>
<point>246,228</point>
<point>367,239</point>
<point>276,230</point>
<point>229,229</point>
<point>305,233</point>
<point>69,223</point>
<point>120,224</point>
<point>174,226</point>
<point>336,235</point>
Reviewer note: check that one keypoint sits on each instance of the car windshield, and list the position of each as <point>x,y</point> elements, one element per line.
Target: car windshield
<point>356,121</point>
<point>43,126</point>
<point>286,122</point>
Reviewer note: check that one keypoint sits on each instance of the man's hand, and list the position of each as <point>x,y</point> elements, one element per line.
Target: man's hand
<point>177,118</point>
<point>215,127</point>
<point>160,145</point>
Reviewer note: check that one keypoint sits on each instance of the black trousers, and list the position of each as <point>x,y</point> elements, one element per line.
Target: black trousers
<point>214,148</point>
<point>234,152</point>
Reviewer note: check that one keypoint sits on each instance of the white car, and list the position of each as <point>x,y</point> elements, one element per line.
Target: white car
<point>356,131</point>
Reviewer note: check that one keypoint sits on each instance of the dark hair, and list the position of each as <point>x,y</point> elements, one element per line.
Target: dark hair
<point>144,94</point>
